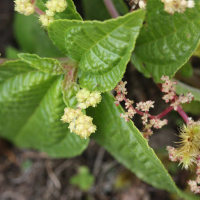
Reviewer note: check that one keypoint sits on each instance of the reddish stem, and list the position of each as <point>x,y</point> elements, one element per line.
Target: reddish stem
<point>182,114</point>
<point>38,11</point>
<point>165,112</point>
<point>111,8</point>
<point>3,60</point>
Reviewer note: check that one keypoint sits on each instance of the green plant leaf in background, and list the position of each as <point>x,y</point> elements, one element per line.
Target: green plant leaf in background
<point>96,9</point>
<point>12,53</point>
<point>128,146</point>
<point>139,65</point>
<point>166,42</point>
<point>184,88</point>
<point>102,55</point>
<point>31,107</point>
<point>193,107</point>
<point>69,13</point>
<point>84,180</point>
<point>32,38</point>
<point>186,70</point>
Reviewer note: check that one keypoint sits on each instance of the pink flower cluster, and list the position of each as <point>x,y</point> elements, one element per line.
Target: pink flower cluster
<point>193,184</point>
<point>141,108</point>
<point>169,88</point>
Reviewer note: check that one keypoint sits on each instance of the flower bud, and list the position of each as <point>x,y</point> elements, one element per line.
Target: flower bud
<point>46,20</point>
<point>50,13</point>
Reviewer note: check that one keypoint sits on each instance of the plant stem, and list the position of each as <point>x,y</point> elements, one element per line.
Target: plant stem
<point>165,112</point>
<point>182,114</point>
<point>111,8</point>
<point>3,60</point>
<point>38,11</point>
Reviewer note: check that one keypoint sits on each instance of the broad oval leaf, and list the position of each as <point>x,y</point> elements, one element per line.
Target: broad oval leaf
<point>167,41</point>
<point>31,107</point>
<point>103,49</point>
<point>128,146</point>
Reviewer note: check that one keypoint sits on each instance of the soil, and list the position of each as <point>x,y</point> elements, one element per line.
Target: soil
<point>30,175</point>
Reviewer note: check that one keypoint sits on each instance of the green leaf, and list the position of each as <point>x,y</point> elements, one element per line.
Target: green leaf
<point>186,70</point>
<point>84,180</point>
<point>12,53</point>
<point>69,13</point>
<point>128,146</point>
<point>166,42</point>
<point>96,9</point>
<point>102,55</point>
<point>139,65</point>
<point>31,107</point>
<point>121,7</point>
<point>197,52</point>
<point>182,88</point>
<point>32,38</point>
<point>192,107</point>
<point>47,65</point>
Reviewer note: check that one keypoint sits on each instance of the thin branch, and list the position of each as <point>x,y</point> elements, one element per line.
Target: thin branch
<point>166,111</point>
<point>111,8</point>
<point>38,11</point>
<point>3,60</point>
<point>182,114</point>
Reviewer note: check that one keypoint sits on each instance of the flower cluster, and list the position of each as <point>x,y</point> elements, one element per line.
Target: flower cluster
<point>142,3</point>
<point>172,6</point>
<point>56,6</point>
<point>141,108</point>
<point>169,88</point>
<point>24,7</point>
<point>46,20</point>
<point>193,184</point>
<point>87,98</point>
<point>188,150</point>
<point>78,122</point>
<point>188,153</point>
<point>53,7</point>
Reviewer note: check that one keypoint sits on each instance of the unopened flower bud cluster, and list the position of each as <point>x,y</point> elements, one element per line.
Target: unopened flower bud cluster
<point>87,98</point>
<point>78,122</point>
<point>53,7</point>
<point>188,152</point>
<point>141,108</point>
<point>24,7</point>
<point>172,6</point>
<point>169,88</point>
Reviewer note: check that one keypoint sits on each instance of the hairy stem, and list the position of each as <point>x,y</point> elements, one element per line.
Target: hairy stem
<point>182,114</point>
<point>111,8</point>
